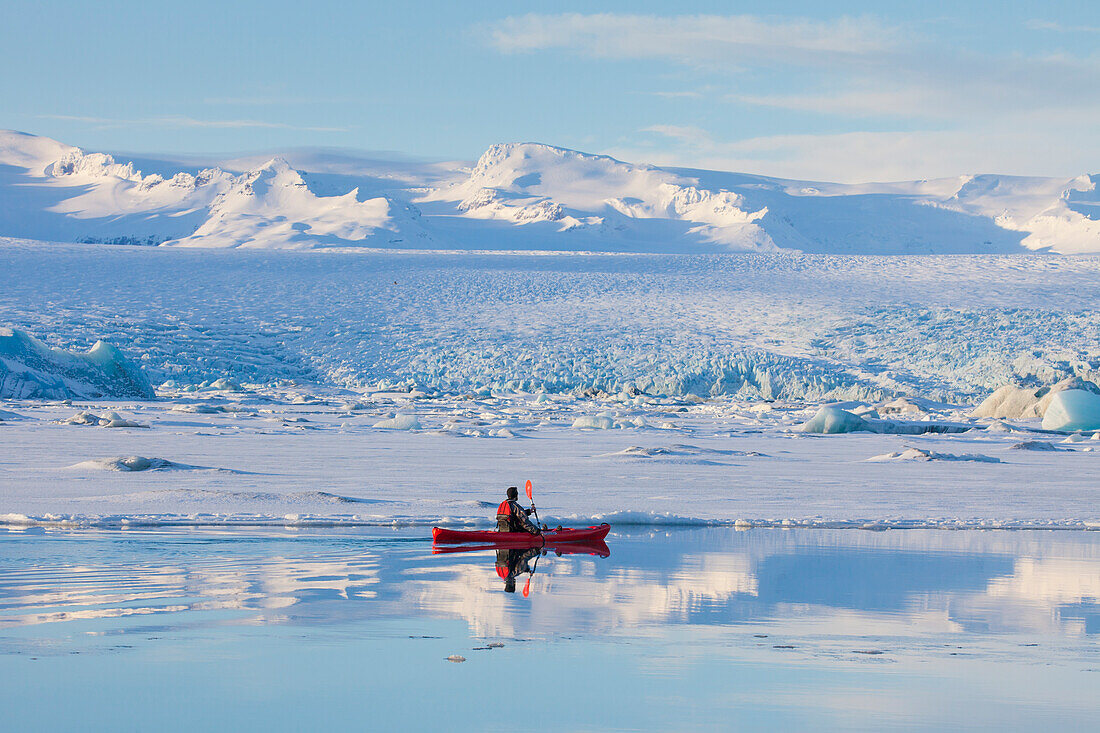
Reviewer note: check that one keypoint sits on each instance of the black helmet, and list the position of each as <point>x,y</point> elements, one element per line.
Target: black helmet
<point>513,492</point>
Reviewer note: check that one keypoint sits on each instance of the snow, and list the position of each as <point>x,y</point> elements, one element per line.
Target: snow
<point>522,196</point>
<point>1073,409</point>
<point>31,369</point>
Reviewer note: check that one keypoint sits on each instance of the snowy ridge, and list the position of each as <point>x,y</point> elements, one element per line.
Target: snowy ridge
<point>525,196</point>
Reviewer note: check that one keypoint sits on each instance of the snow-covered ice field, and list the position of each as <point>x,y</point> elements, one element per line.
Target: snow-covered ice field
<point>380,387</point>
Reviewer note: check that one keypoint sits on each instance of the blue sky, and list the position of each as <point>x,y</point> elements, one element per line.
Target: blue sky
<point>838,91</point>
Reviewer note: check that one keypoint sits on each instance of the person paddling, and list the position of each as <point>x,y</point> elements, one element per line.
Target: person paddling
<point>511,517</point>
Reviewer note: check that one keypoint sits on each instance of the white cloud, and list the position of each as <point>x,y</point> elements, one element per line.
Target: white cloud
<point>849,67</point>
<point>855,157</point>
<point>687,133</point>
<point>1049,25</point>
<point>693,38</point>
<point>954,109</point>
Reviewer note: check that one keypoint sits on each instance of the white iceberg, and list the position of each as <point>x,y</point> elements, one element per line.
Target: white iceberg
<point>1019,403</point>
<point>831,420</point>
<point>1074,409</point>
<point>919,454</point>
<point>598,422</point>
<point>399,422</point>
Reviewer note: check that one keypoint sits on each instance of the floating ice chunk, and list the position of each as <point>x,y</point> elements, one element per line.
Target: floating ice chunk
<point>598,422</point>
<point>399,422</point>
<point>456,658</point>
<point>9,415</point>
<point>1018,403</point>
<point>130,463</point>
<point>29,369</point>
<point>106,420</point>
<point>198,409</point>
<point>917,454</point>
<point>902,405</point>
<point>1073,409</point>
<point>1036,445</point>
<point>830,420</point>
<point>223,385</point>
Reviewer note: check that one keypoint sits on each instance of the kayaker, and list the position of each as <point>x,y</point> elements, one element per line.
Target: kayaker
<point>511,517</point>
<point>513,563</point>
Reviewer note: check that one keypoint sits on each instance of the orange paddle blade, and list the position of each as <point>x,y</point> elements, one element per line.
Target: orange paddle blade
<point>528,487</point>
<point>527,588</point>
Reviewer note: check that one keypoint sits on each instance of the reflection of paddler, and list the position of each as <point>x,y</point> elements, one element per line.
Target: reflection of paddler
<point>513,563</point>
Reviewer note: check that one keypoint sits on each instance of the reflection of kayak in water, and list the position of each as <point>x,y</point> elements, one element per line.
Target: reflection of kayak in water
<point>591,547</point>
<point>550,537</point>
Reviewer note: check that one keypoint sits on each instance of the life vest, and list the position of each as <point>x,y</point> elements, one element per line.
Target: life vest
<point>505,509</point>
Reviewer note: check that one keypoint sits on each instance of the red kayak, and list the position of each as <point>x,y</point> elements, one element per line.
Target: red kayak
<point>445,536</point>
<point>591,547</point>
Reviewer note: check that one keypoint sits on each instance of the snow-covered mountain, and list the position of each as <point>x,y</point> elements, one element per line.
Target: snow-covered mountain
<point>523,196</point>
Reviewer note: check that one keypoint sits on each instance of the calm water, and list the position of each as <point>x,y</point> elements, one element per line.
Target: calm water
<point>681,630</point>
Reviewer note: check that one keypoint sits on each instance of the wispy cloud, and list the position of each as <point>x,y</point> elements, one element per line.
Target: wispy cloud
<point>179,121</point>
<point>692,38</point>
<point>866,155</point>
<point>853,67</point>
<point>954,108</point>
<point>274,101</point>
<point>1050,25</point>
<point>685,133</point>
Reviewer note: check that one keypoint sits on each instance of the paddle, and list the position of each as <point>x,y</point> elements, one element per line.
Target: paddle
<point>527,585</point>
<point>532,500</point>
<point>538,523</point>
